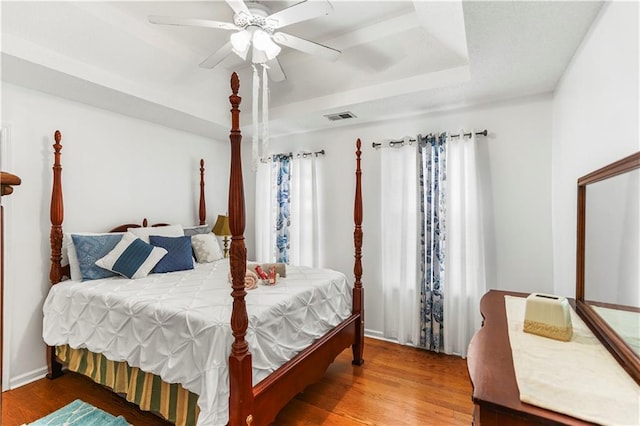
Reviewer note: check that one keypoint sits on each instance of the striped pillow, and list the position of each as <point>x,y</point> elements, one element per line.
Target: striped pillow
<point>132,257</point>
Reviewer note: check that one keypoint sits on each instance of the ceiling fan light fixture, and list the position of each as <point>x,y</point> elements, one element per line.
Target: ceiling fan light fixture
<point>254,29</point>
<point>241,41</point>
<point>263,42</point>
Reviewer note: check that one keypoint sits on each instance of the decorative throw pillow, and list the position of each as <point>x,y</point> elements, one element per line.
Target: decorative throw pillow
<point>195,230</point>
<point>132,257</point>
<point>165,231</point>
<point>206,248</point>
<point>281,268</point>
<point>84,252</point>
<point>178,257</point>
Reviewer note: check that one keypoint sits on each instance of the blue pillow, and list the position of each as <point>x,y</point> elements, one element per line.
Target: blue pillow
<point>90,248</point>
<point>178,258</point>
<point>132,257</point>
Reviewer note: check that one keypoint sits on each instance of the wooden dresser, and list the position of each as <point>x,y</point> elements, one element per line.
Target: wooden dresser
<point>495,391</point>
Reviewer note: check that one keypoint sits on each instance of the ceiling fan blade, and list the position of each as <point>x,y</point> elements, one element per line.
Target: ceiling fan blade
<point>274,70</point>
<point>307,46</point>
<point>239,6</point>
<point>217,56</point>
<point>192,22</point>
<point>300,12</point>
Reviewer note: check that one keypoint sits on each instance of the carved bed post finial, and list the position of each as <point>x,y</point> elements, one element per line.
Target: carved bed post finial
<point>235,83</point>
<point>56,213</point>
<point>202,210</point>
<point>358,291</point>
<point>240,372</point>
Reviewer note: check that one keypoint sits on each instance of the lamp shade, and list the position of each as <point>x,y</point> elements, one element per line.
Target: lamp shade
<point>241,42</point>
<point>222,226</point>
<point>262,41</point>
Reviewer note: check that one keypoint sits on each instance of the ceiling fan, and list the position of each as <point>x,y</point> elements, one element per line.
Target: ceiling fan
<point>255,31</point>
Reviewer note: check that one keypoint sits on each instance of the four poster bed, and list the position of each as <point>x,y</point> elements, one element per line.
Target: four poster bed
<point>256,376</point>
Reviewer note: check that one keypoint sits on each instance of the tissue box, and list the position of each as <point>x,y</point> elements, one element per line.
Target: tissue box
<point>548,316</point>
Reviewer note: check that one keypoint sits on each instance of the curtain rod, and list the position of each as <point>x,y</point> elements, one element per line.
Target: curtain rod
<point>392,143</point>
<point>290,155</point>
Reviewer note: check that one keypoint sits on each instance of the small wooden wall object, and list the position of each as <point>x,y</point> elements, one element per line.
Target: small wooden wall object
<point>7,182</point>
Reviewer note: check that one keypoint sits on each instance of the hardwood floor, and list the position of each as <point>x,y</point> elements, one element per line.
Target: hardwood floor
<point>397,385</point>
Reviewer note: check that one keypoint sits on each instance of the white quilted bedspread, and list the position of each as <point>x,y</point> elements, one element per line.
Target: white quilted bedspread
<point>176,325</point>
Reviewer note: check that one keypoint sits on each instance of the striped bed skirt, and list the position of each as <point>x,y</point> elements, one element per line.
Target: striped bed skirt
<point>148,391</point>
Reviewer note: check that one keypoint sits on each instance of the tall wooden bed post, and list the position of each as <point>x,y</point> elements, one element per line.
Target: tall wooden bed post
<point>57,215</point>
<point>240,370</point>
<point>358,291</point>
<point>202,210</point>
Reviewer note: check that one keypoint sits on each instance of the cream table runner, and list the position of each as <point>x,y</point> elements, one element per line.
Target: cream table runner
<point>579,378</point>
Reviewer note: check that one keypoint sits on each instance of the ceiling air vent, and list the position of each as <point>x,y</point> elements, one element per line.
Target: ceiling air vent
<point>340,116</point>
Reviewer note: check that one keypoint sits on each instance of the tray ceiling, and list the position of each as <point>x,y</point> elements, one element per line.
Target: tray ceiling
<point>407,57</point>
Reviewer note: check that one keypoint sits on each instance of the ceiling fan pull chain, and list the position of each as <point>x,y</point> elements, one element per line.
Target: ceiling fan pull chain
<point>255,152</point>
<point>265,110</point>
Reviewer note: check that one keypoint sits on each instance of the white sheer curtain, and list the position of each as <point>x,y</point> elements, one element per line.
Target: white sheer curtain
<point>304,230</point>
<point>265,212</point>
<point>399,233</point>
<point>465,280</point>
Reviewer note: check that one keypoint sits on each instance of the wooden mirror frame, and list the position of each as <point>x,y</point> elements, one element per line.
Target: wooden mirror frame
<point>629,359</point>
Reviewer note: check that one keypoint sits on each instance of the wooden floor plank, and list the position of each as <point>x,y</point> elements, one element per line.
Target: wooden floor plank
<point>397,385</point>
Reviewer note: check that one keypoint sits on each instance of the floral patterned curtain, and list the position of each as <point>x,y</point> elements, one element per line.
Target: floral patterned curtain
<point>432,201</point>
<point>283,218</point>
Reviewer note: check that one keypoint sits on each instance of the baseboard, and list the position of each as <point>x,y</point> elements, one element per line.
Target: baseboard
<point>378,335</point>
<point>25,379</point>
<point>375,334</point>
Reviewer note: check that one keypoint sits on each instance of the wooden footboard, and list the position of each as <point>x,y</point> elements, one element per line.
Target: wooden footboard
<point>308,367</point>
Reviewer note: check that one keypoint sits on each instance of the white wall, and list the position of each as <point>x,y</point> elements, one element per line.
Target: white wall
<point>595,122</point>
<point>115,170</point>
<point>516,168</point>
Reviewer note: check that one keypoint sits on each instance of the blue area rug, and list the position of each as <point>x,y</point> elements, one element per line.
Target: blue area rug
<point>79,413</point>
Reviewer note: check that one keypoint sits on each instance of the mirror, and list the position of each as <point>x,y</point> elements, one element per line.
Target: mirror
<point>608,265</point>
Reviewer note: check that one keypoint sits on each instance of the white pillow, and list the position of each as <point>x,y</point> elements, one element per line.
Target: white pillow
<point>163,231</point>
<point>206,248</point>
<point>70,256</point>
<point>132,257</point>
